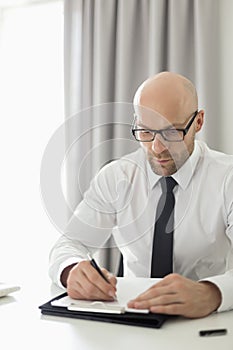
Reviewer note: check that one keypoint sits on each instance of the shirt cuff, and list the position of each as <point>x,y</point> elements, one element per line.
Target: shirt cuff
<point>224,283</point>
<point>63,265</point>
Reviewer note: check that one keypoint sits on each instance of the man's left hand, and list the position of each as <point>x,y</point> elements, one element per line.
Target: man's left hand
<point>177,295</point>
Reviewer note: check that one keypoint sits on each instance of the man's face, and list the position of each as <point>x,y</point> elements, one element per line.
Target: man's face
<point>167,157</point>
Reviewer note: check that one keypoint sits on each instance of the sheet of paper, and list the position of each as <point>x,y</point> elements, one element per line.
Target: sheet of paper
<point>127,288</point>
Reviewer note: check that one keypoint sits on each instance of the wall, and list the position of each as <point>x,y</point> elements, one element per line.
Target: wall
<point>31,108</point>
<point>226,69</point>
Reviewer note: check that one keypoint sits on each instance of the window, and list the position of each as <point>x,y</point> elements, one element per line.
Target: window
<point>31,108</point>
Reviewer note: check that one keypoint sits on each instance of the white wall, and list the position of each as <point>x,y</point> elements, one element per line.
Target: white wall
<point>31,108</point>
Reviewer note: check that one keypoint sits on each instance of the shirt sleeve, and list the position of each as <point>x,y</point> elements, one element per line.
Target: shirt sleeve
<point>225,281</point>
<point>89,228</point>
<point>225,285</point>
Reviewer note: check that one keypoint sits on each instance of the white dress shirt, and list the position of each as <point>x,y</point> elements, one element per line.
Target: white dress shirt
<point>122,201</point>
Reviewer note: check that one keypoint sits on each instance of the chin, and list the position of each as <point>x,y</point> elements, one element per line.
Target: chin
<point>161,170</point>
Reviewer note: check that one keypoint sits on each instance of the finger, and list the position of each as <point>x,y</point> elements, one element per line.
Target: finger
<point>75,291</point>
<point>110,277</point>
<point>158,301</point>
<point>170,284</point>
<point>74,287</point>
<point>154,292</point>
<point>172,309</point>
<point>93,291</point>
<point>84,281</point>
<point>96,284</point>
<point>142,297</point>
<point>87,293</point>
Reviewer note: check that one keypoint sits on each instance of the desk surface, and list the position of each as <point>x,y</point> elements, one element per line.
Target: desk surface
<point>23,327</point>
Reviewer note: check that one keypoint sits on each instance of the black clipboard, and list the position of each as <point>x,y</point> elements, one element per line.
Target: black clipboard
<point>149,320</point>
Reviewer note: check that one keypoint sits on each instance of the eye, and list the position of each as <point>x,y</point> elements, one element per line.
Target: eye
<point>173,135</point>
<point>171,132</point>
<point>143,135</point>
<point>146,132</point>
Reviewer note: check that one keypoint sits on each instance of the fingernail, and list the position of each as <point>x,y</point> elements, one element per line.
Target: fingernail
<point>111,294</point>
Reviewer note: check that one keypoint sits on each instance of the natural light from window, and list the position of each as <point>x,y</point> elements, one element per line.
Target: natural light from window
<point>31,108</point>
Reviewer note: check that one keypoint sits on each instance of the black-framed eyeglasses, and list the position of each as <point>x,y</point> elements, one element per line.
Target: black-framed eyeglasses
<point>168,134</point>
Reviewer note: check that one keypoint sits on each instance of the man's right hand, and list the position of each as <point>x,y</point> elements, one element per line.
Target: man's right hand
<point>84,282</point>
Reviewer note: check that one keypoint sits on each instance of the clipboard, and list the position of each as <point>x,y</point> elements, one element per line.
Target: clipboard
<point>138,319</point>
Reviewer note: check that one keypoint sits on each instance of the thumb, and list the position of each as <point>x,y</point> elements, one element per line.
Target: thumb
<point>111,278</point>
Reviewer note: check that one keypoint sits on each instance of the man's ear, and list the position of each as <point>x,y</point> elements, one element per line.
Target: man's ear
<point>199,120</point>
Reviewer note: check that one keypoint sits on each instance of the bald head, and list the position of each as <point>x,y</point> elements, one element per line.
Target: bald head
<point>170,94</point>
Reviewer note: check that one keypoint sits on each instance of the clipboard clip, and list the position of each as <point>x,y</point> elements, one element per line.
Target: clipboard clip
<point>96,306</point>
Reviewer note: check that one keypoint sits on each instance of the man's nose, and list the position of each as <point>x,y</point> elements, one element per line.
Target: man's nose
<point>159,144</point>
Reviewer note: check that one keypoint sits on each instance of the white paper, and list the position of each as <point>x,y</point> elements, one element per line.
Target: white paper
<point>128,288</point>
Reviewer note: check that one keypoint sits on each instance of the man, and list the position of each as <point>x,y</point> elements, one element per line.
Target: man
<point>122,202</point>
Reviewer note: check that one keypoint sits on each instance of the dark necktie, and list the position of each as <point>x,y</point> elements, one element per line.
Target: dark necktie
<point>162,253</point>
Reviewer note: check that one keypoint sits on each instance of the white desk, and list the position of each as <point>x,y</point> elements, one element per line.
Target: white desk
<point>23,327</point>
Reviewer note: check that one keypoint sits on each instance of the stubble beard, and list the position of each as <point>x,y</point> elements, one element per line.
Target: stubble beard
<point>160,169</point>
<point>176,160</point>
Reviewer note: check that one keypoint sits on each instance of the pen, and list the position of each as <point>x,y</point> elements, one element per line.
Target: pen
<point>212,332</point>
<point>94,264</point>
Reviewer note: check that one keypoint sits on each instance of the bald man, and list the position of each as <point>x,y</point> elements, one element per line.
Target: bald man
<point>122,202</point>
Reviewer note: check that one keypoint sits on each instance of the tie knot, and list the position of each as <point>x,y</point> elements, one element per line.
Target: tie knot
<point>168,184</point>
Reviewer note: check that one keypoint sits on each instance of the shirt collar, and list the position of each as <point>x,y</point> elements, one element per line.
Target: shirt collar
<point>183,175</point>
